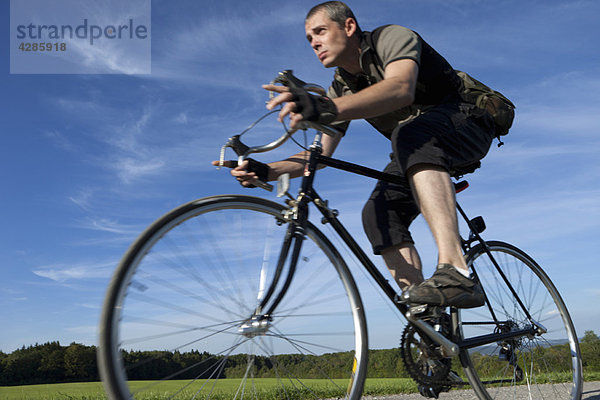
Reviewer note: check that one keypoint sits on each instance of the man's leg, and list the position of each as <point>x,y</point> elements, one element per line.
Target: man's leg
<point>445,136</point>
<point>404,263</point>
<point>386,217</point>
<point>449,285</point>
<point>435,194</point>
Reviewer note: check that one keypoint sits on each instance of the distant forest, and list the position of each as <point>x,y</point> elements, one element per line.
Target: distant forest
<point>53,363</point>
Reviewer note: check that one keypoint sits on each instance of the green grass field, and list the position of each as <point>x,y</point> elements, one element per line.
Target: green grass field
<point>266,387</point>
<point>226,387</point>
<point>79,391</point>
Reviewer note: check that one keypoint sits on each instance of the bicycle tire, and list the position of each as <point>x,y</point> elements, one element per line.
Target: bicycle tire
<point>547,365</point>
<point>167,294</point>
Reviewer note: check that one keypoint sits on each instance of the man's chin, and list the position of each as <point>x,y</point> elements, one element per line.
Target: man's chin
<point>327,64</point>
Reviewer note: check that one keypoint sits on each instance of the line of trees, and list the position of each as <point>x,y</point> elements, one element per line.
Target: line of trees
<point>53,363</point>
<point>49,363</point>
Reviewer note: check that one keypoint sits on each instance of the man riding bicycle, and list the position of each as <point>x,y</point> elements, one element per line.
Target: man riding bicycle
<point>397,82</point>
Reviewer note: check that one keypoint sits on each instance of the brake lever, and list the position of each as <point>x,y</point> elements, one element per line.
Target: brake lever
<point>238,147</point>
<point>287,78</point>
<point>241,150</point>
<point>263,185</point>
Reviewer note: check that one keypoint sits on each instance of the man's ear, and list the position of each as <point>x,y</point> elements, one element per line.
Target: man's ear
<point>350,26</point>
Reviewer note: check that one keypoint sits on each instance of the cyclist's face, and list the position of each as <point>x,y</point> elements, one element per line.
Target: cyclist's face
<point>328,40</point>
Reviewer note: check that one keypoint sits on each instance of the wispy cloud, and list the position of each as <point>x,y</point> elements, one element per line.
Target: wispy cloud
<point>12,295</point>
<point>75,271</point>
<point>60,140</point>
<point>110,226</point>
<point>83,198</point>
<point>109,57</point>
<point>119,55</point>
<point>128,169</point>
<point>128,136</point>
<point>196,50</point>
<point>563,105</point>
<point>524,152</point>
<point>80,107</point>
<point>90,306</point>
<point>181,118</point>
<point>535,217</point>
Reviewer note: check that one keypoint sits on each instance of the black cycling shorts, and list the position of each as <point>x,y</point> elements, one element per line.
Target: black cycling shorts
<point>451,136</point>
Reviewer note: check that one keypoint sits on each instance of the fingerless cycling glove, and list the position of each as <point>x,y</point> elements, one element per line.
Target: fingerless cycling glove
<point>314,108</point>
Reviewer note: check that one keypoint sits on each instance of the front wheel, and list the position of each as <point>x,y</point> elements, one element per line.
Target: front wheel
<point>180,316</point>
<point>544,365</point>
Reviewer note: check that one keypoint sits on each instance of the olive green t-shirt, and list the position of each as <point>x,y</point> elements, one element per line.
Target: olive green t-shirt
<point>437,83</point>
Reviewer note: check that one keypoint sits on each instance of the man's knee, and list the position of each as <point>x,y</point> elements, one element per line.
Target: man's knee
<point>369,219</point>
<point>376,226</point>
<point>386,225</point>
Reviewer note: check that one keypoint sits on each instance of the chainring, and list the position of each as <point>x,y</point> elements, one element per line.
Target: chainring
<point>422,358</point>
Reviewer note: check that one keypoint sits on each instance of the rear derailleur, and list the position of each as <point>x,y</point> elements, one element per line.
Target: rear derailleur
<point>508,349</point>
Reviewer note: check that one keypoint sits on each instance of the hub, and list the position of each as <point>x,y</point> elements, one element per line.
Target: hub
<point>255,326</point>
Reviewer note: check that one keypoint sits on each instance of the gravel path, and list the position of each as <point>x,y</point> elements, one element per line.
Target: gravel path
<point>591,391</point>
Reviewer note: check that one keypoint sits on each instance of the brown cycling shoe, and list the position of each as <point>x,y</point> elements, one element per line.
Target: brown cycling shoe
<point>446,287</point>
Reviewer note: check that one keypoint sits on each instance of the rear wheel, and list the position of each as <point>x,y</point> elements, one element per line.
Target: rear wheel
<point>544,365</point>
<point>180,321</point>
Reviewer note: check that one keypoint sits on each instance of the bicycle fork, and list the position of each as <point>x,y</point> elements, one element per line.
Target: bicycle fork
<point>268,296</point>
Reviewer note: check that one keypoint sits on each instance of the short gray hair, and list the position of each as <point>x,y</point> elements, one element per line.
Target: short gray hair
<point>337,11</point>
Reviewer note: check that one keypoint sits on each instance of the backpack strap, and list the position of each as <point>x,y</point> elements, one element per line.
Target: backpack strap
<point>371,38</point>
<point>338,83</point>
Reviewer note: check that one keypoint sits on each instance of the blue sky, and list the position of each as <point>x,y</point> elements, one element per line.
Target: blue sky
<point>88,161</point>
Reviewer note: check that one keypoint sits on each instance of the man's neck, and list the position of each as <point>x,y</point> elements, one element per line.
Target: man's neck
<point>352,62</point>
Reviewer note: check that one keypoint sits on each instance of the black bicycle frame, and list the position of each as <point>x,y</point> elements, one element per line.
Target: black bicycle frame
<point>295,233</point>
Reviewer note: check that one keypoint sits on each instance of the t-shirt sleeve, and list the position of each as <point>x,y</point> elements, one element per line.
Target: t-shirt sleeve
<point>396,42</point>
<point>342,126</point>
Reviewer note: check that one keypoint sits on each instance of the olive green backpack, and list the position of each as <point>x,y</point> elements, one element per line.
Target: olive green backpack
<point>500,108</point>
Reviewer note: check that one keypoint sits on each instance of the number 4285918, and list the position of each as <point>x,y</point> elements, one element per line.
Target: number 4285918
<point>25,46</point>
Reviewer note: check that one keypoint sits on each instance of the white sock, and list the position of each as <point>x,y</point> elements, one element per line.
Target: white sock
<point>463,272</point>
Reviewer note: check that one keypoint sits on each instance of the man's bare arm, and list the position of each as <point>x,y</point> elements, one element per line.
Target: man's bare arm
<point>294,165</point>
<point>395,91</point>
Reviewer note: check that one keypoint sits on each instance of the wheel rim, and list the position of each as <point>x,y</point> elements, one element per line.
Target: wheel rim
<point>545,365</point>
<point>191,286</point>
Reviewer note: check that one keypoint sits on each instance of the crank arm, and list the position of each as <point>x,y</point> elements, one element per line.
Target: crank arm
<point>448,348</point>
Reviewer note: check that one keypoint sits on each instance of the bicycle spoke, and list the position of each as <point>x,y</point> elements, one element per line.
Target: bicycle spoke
<point>185,267</point>
<point>530,366</point>
<point>298,345</point>
<point>223,264</point>
<point>209,328</point>
<point>182,308</point>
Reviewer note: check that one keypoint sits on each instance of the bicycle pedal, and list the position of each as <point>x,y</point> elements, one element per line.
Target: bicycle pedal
<point>455,378</point>
<point>423,311</point>
<point>401,298</point>
<point>418,310</point>
<point>429,392</point>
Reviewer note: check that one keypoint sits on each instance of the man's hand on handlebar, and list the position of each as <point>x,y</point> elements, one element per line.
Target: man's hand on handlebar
<point>301,105</point>
<point>248,172</point>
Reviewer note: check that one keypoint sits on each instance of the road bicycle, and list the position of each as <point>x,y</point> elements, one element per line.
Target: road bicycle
<point>251,290</point>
